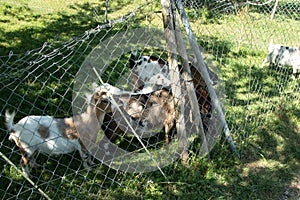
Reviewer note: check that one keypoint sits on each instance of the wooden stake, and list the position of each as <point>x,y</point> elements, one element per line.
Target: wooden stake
<point>168,13</point>
<point>186,72</point>
<point>204,73</point>
<point>274,10</point>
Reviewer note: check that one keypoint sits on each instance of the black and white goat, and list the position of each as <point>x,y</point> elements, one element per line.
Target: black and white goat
<point>50,135</point>
<point>148,70</point>
<point>284,56</point>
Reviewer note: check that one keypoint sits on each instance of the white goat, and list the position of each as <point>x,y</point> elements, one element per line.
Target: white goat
<point>51,135</point>
<point>284,56</point>
<point>273,50</point>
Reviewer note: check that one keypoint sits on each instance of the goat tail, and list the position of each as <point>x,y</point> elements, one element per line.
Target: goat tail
<point>9,119</point>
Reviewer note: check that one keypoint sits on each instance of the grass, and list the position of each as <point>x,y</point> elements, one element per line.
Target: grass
<point>262,104</point>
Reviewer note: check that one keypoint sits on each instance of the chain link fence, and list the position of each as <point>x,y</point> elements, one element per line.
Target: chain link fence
<point>120,69</point>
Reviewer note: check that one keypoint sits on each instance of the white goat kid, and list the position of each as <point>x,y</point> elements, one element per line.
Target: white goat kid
<point>51,135</point>
<point>273,50</point>
<point>284,56</point>
<point>290,57</point>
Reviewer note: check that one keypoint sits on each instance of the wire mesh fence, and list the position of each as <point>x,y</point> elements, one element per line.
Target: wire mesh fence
<point>112,86</point>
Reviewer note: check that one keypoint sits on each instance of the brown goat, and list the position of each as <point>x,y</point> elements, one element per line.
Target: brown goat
<point>147,113</point>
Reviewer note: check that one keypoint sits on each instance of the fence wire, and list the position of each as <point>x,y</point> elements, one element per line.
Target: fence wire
<point>52,81</point>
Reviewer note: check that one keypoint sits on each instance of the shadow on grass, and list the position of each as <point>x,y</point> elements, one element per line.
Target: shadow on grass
<point>39,82</point>
<point>44,75</point>
<point>263,112</point>
<point>48,27</point>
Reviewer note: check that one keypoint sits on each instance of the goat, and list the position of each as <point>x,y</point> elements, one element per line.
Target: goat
<point>146,111</point>
<point>145,68</point>
<point>284,56</point>
<point>50,135</point>
<point>150,70</point>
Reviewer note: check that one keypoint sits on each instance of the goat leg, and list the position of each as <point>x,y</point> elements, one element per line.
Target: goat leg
<point>85,156</point>
<point>294,73</point>
<point>168,127</point>
<point>25,161</point>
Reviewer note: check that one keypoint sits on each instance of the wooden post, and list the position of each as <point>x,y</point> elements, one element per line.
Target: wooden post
<point>186,73</point>
<point>168,20</point>
<point>106,12</point>
<point>204,73</point>
<point>274,10</point>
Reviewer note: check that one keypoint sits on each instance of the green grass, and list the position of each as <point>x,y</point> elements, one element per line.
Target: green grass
<point>261,104</point>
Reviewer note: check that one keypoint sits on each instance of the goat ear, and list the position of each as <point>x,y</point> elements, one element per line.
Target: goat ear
<point>134,53</point>
<point>133,58</point>
<point>103,95</point>
<point>88,97</point>
<point>100,95</point>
